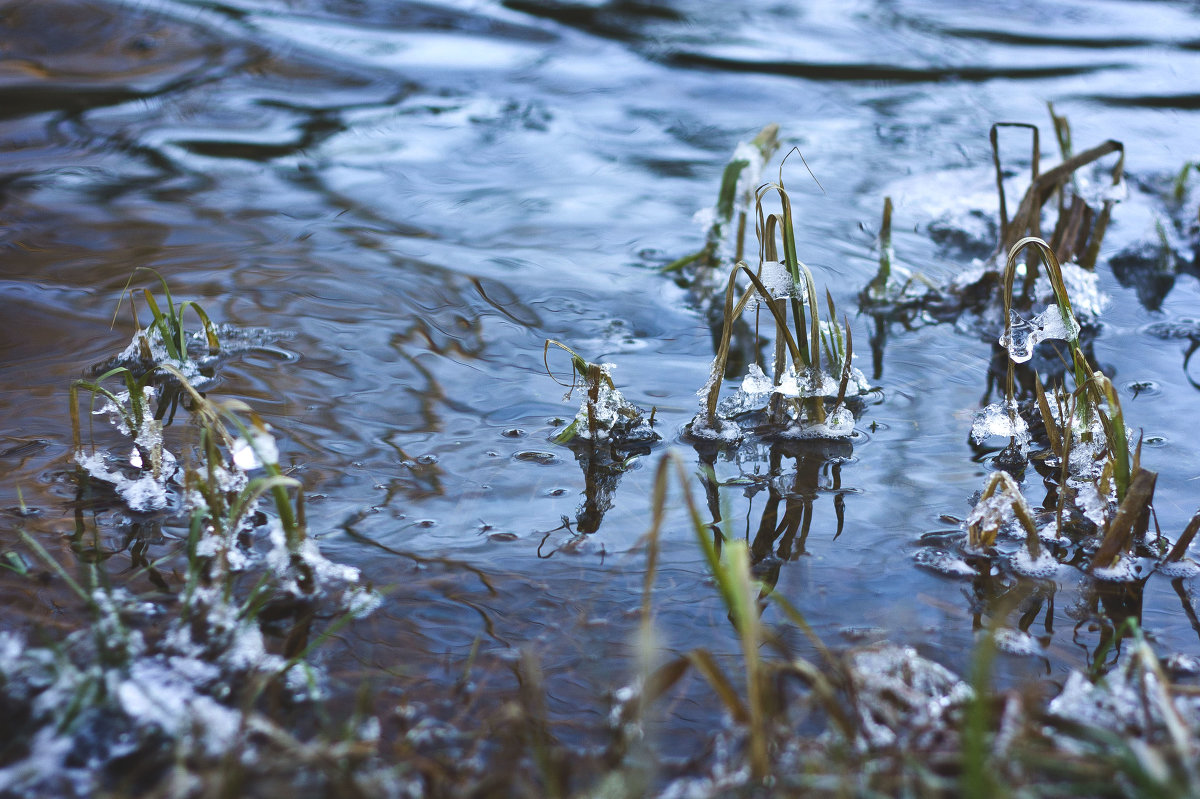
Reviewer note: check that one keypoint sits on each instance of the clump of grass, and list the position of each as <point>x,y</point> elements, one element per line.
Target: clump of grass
<point>166,339</point>
<point>884,720</point>
<point>813,377</point>
<point>1101,498</point>
<point>894,295</point>
<point>178,690</point>
<point>605,416</point>
<point>607,434</point>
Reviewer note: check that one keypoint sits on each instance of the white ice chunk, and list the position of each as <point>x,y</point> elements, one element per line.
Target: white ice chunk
<point>1025,335</point>
<point>1000,420</point>
<point>256,450</point>
<point>1043,567</point>
<point>776,280</point>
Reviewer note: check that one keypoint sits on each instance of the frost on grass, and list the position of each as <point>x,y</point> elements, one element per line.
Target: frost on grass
<point>756,393</point>
<point>944,562</point>
<point>1132,701</point>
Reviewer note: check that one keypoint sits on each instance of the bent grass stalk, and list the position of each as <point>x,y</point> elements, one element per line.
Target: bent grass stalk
<point>982,537</point>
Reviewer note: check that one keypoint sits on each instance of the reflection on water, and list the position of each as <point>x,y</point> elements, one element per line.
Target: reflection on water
<point>419,195</point>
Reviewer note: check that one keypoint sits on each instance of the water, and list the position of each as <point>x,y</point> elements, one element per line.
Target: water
<point>413,197</point>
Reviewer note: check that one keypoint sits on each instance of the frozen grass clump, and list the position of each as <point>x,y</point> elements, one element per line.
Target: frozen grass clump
<point>149,686</point>
<point>605,418</point>
<point>813,387</point>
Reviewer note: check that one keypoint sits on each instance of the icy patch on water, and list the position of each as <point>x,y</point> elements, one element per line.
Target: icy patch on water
<point>902,699</point>
<point>722,431</point>
<point>157,696</point>
<point>143,494</point>
<point>1043,567</point>
<point>944,562</point>
<point>1126,570</point>
<point>1131,701</point>
<point>839,423</point>
<point>1017,642</point>
<point>1185,569</point>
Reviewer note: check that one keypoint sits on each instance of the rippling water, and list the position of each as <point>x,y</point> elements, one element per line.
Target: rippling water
<point>415,196</point>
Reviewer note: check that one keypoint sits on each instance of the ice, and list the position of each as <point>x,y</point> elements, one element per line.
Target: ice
<point>992,513</point>
<point>943,562</point>
<point>1025,335</point>
<point>705,218</point>
<point>1185,569</point>
<point>1131,701</point>
<point>1017,642</point>
<point>255,450</point>
<point>1093,506</point>
<point>902,698</point>
<point>1181,663</point>
<point>778,281</point>
<point>1000,420</point>
<point>751,174</point>
<point>155,695</point>
<point>1043,567</point>
<point>143,494</point>
<point>839,423</point>
<point>723,431</point>
<point>1125,570</point>
<point>756,382</point>
<point>610,414</point>
<point>1083,288</point>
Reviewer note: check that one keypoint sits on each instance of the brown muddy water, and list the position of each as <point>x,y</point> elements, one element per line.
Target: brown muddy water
<point>413,197</point>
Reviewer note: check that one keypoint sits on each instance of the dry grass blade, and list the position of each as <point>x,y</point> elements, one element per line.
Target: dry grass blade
<point>1048,420</point>
<point>981,537</point>
<point>1181,546</point>
<point>1044,186</point>
<point>703,661</point>
<point>732,312</point>
<point>1118,538</point>
<point>876,290</point>
<point>994,136</point>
